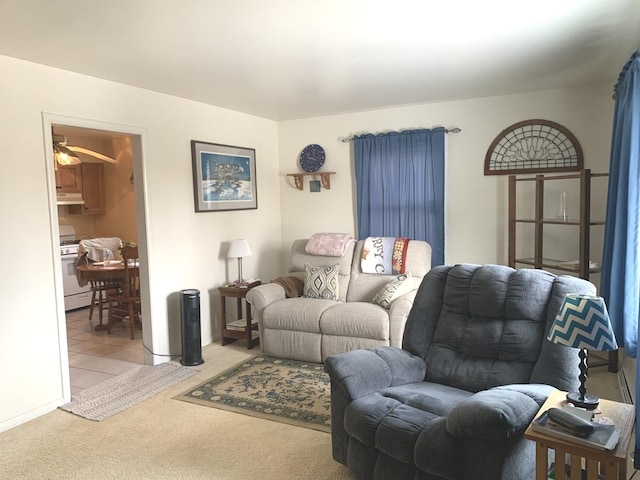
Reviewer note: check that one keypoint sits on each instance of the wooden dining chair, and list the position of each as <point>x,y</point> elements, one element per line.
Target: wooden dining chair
<point>99,291</point>
<point>92,250</point>
<point>124,303</point>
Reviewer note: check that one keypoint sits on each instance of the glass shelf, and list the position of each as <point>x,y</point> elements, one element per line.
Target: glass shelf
<point>554,221</point>
<point>563,265</point>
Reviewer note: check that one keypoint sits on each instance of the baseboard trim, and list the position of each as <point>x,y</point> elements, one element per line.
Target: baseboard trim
<point>30,415</point>
<point>625,389</point>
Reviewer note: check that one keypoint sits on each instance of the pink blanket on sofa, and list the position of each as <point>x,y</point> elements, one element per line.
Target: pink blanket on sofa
<point>328,244</point>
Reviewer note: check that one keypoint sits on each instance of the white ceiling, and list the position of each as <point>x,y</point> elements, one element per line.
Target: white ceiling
<point>286,59</point>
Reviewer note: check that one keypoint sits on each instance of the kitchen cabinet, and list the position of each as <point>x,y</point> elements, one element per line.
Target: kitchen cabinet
<point>69,179</point>
<point>93,192</point>
<point>576,229</point>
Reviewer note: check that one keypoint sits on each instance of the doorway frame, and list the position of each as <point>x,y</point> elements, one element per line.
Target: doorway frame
<point>137,136</point>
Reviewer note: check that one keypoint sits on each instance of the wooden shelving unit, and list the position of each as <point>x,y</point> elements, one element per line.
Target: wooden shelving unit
<point>583,267</point>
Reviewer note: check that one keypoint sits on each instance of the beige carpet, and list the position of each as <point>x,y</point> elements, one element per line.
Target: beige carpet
<point>162,438</point>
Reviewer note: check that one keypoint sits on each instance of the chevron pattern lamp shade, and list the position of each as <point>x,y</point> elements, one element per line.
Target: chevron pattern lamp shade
<point>583,322</point>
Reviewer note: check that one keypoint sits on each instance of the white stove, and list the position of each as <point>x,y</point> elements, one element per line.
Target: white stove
<point>75,296</point>
<point>69,248</point>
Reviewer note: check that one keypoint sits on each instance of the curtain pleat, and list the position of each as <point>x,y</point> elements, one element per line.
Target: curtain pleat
<point>620,279</point>
<point>400,186</point>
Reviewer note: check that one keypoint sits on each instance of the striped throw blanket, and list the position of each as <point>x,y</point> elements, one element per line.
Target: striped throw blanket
<point>384,255</point>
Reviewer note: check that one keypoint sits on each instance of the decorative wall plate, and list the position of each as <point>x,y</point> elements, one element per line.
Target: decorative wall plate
<point>533,146</point>
<point>312,158</point>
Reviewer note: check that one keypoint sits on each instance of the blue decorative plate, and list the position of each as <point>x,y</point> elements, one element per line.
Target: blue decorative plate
<point>312,158</point>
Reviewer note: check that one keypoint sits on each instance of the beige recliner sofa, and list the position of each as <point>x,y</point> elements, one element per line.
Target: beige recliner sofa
<point>311,329</point>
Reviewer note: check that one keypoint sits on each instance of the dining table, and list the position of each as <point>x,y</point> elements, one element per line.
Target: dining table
<point>102,277</point>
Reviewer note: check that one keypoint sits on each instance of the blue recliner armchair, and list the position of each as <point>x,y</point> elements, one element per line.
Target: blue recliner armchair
<point>474,369</point>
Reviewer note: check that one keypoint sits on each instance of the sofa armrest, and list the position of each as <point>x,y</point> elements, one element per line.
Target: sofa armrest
<point>262,295</point>
<point>499,413</point>
<point>361,372</point>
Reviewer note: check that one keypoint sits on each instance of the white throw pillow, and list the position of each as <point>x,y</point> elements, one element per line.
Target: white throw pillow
<point>393,290</point>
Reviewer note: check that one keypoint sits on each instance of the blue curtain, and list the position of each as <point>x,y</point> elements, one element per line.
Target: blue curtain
<point>400,186</point>
<point>620,281</point>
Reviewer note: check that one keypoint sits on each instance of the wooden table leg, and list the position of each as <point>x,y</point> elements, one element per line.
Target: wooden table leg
<point>223,320</point>
<point>250,340</point>
<point>613,473</point>
<point>541,461</point>
<point>97,287</point>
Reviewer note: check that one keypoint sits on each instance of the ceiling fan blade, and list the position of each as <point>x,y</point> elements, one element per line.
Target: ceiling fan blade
<point>92,153</point>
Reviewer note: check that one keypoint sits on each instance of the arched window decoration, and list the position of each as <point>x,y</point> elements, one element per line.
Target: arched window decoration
<point>533,146</point>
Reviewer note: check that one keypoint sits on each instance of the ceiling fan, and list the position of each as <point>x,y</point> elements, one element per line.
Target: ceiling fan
<point>65,154</point>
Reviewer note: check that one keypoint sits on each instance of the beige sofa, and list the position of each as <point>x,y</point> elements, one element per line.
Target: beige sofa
<point>311,329</point>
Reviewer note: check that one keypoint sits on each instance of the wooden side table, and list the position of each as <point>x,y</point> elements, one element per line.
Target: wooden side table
<point>612,465</point>
<point>245,330</point>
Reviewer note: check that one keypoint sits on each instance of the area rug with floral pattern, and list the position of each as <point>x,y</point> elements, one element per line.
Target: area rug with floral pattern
<point>285,391</point>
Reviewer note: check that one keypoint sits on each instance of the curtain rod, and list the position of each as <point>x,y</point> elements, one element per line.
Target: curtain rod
<point>446,130</point>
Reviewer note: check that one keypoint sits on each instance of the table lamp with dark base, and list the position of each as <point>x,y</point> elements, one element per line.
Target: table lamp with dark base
<point>581,398</point>
<point>583,322</point>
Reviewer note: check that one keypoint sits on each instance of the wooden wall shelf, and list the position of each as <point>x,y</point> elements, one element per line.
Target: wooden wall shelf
<point>325,178</point>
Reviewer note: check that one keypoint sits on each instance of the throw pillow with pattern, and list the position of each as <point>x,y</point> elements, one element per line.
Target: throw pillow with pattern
<point>393,290</point>
<point>321,282</point>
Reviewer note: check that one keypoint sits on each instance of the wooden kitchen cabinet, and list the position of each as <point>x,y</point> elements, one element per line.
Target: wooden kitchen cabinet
<point>69,179</point>
<point>93,192</point>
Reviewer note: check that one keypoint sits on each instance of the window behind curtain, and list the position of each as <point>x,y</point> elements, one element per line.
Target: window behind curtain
<point>400,186</point>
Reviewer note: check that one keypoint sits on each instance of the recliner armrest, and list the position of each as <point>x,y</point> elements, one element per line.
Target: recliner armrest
<point>498,413</point>
<point>361,372</point>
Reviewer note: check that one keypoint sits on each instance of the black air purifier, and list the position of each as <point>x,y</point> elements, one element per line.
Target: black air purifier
<point>190,315</point>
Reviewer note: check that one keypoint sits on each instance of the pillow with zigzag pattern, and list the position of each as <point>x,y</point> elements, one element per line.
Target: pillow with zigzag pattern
<point>393,290</point>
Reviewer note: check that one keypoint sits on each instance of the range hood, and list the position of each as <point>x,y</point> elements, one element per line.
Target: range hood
<point>69,199</point>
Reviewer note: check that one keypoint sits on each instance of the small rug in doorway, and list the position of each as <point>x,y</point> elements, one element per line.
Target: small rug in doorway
<point>287,391</point>
<point>126,390</point>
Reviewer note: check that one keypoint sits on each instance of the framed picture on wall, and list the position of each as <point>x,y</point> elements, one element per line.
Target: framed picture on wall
<point>224,177</point>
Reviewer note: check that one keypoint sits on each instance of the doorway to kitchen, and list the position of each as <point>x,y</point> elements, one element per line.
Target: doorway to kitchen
<point>91,354</point>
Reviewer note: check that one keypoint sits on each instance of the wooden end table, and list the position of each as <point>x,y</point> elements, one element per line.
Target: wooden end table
<point>240,329</point>
<point>612,465</point>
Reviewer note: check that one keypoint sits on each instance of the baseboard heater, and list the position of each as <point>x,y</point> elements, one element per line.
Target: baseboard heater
<point>626,390</point>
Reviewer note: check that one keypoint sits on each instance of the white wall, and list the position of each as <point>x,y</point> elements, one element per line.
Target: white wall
<point>476,205</point>
<point>185,249</point>
<point>120,218</point>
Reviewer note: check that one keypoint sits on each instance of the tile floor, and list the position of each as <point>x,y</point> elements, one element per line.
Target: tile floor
<point>98,356</point>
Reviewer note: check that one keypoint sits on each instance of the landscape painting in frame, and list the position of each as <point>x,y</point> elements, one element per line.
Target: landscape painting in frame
<point>224,177</point>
